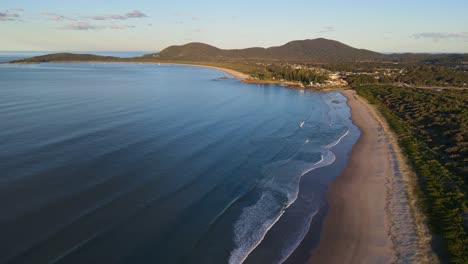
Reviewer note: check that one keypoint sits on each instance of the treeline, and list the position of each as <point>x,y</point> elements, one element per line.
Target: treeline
<point>289,73</point>
<point>432,128</point>
<point>360,67</point>
<point>433,75</point>
<point>355,80</point>
<point>418,75</point>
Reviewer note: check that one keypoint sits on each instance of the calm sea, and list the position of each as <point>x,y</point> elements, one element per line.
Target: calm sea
<point>142,163</point>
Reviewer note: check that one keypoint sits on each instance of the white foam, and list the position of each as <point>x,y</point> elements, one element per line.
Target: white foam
<point>252,227</point>
<point>331,145</point>
<point>254,222</point>
<point>286,252</point>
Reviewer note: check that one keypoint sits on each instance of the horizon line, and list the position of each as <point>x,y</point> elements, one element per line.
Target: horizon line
<point>155,51</point>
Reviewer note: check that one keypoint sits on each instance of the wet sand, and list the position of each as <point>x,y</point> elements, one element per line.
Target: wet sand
<point>371,216</point>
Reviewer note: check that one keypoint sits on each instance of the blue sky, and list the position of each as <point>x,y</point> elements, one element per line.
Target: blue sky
<point>385,26</point>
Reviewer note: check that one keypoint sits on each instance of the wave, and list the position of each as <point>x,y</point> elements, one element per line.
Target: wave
<point>287,252</point>
<point>256,220</point>
<point>250,220</point>
<point>331,145</point>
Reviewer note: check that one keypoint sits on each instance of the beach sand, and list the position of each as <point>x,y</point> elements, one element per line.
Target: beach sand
<point>233,73</point>
<point>371,216</point>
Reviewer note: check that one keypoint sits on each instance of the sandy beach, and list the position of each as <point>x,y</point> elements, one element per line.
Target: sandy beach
<point>233,73</point>
<point>371,216</point>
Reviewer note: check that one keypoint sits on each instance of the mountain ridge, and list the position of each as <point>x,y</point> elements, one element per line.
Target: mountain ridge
<point>308,50</point>
<point>320,50</point>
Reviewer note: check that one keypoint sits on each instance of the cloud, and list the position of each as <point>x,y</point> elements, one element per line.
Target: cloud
<point>7,15</point>
<point>440,36</point>
<point>87,26</point>
<point>194,30</point>
<point>135,14</point>
<point>327,29</point>
<point>120,26</point>
<point>81,26</point>
<point>132,14</point>
<point>57,17</point>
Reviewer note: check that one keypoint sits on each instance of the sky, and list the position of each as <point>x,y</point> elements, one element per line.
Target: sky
<point>140,25</point>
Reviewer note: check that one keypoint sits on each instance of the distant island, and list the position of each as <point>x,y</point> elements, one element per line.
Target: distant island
<point>315,63</point>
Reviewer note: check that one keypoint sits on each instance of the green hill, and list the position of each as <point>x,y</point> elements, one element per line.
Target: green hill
<point>320,51</point>
<point>313,51</point>
<point>67,57</point>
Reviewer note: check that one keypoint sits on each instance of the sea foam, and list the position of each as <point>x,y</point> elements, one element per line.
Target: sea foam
<point>278,193</point>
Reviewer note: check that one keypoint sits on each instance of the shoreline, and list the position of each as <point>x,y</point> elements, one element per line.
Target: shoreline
<point>243,77</point>
<point>296,232</point>
<point>372,213</point>
<point>232,73</point>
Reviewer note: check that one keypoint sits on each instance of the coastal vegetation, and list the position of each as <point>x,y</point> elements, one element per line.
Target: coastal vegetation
<point>432,128</point>
<point>306,76</point>
<point>414,75</point>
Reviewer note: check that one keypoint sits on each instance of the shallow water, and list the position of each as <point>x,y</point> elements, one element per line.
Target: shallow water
<point>147,163</point>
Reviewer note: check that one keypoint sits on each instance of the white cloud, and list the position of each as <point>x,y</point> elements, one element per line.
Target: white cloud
<point>132,14</point>
<point>327,29</point>
<point>81,26</point>
<point>88,26</point>
<point>439,35</point>
<point>120,26</point>
<point>57,17</point>
<point>7,15</point>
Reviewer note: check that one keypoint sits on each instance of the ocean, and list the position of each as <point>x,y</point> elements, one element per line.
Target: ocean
<point>147,163</point>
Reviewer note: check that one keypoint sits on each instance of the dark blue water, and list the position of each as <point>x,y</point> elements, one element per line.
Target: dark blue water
<point>131,163</point>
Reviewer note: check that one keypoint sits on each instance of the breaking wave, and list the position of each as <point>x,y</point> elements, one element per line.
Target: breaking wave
<point>276,195</point>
